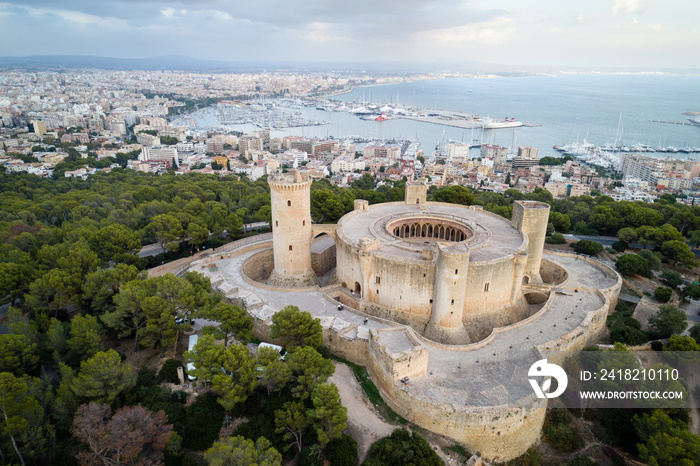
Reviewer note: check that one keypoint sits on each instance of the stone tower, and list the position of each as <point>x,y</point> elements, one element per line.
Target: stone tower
<point>416,193</point>
<point>531,218</point>
<point>451,266</point>
<point>290,197</point>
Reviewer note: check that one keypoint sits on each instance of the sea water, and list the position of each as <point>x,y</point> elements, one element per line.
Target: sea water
<point>568,108</point>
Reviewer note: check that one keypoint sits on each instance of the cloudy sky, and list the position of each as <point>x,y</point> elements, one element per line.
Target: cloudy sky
<point>587,33</point>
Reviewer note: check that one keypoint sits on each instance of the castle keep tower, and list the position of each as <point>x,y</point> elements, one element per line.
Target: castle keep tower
<point>290,197</point>
<point>531,218</point>
<point>416,193</point>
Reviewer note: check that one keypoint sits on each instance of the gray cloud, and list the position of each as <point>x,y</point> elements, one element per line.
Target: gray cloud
<point>362,15</point>
<point>532,32</point>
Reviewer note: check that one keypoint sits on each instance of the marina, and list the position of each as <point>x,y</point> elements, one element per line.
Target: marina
<point>433,112</point>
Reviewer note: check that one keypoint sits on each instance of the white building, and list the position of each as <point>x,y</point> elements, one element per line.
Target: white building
<point>456,150</point>
<point>347,164</point>
<point>160,153</point>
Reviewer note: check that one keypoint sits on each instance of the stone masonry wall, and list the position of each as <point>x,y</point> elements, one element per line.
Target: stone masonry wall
<point>323,262</point>
<point>499,433</point>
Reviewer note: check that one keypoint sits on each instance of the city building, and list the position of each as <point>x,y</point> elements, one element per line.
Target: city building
<point>347,164</point>
<point>37,127</point>
<point>248,144</point>
<point>456,150</point>
<point>527,152</point>
<point>160,153</point>
<point>495,152</point>
<point>323,146</point>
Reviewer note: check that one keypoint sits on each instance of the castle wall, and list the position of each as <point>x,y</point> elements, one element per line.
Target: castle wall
<point>404,290</point>
<point>259,266</point>
<point>323,262</point>
<point>492,296</point>
<point>552,273</point>
<point>349,270</point>
<point>499,433</point>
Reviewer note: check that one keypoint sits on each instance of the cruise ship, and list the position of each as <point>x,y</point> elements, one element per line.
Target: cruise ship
<point>488,123</point>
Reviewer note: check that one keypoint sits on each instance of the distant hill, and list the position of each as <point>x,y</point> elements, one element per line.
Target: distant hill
<point>185,63</point>
<point>170,62</point>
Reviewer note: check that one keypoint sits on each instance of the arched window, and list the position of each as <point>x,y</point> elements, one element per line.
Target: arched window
<point>290,247</point>
<point>289,203</point>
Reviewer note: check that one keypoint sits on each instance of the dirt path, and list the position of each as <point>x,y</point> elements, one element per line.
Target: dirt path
<point>364,423</point>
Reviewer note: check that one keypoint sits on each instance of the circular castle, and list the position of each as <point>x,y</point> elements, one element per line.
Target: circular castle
<point>446,305</point>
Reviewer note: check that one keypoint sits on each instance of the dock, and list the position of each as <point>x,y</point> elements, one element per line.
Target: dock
<point>673,122</point>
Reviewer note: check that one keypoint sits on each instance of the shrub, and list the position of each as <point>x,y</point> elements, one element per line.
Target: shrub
<point>155,398</point>
<point>691,291</point>
<point>695,332</point>
<point>582,460</point>
<point>627,335</point>
<point>562,437</point>
<point>168,373</point>
<point>620,246</point>
<point>656,345</point>
<point>342,451</point>
<point>630,264</point>
<point>403,447</point>
<point>146,377</point>
<point>559,416</point>
<point>556,238</point>
<point>531,457</point>
<point>653,259</point>
<point>308,457</point>
<point>325,352</point>
<point>668,321</point>
<point>203,422</point>
<point>672,278</point>
<point>588,247</point>
<point>663,294</point>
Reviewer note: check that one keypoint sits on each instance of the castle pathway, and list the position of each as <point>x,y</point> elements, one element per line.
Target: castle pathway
<point>272,300</point>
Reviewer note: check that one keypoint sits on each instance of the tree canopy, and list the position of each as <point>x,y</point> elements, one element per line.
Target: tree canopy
<point>668,321</point>
<point>296,327</point>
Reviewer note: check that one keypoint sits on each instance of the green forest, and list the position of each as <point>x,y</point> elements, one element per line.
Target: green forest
<point>84,317</point>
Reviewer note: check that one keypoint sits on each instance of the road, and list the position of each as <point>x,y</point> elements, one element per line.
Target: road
<point>155,249</point>
<point>692,311</point>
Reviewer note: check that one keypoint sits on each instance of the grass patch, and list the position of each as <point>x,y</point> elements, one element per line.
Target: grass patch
<point>459,449</point>
<point>629,291</point>
<point>372,391</point>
